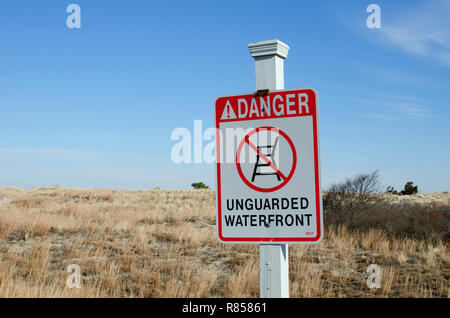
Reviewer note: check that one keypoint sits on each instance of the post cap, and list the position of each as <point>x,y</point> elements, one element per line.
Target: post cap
<point>267,48</point>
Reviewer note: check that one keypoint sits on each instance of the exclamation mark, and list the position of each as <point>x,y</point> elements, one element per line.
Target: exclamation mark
<point>228,112</point>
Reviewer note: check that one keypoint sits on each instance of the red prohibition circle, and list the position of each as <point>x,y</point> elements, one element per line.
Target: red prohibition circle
<point>238,155</point>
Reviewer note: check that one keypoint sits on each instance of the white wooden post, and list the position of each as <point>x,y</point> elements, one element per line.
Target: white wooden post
<point>273,258</point>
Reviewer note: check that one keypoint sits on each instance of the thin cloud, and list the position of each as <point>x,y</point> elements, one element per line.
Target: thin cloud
<point>404,98</point>
<point>383,116</point>
<point>398,109</point>
<point>359,158</point>
<point>410,109</point>
<point>395,76</point>
<point>407,40</point>
<point>422,30</point>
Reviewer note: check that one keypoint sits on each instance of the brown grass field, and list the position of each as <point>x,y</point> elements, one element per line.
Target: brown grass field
<point>161,243</point>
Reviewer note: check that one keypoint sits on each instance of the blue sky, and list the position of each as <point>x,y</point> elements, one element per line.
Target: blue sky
<point>96,106</point>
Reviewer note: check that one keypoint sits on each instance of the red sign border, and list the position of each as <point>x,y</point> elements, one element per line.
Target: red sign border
<point>268,240</point>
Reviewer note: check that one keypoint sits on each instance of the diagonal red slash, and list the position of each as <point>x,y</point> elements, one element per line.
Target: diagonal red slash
<point>277,171</point>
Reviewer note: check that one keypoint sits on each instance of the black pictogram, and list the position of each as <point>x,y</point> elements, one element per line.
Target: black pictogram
<point>269,152</point>
<point>271,165</point>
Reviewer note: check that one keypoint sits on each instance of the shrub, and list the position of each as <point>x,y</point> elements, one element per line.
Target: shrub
<point>199,185</point>
<point>344,200</point>
<point>410,219</point>
<point>391,190</point>
<point>360,208</point>
<point>409,189</point>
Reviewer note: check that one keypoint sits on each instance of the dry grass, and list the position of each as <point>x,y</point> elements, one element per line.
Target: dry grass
<point>162,244</point>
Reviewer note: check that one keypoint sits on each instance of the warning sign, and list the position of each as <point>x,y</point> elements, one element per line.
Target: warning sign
<point>268,176</point>
<point>228,112</point>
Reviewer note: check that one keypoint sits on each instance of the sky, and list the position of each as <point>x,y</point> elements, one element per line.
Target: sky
<point>95,107</point>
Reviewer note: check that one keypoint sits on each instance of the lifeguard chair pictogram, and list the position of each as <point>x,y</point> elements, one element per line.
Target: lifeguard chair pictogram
<point>260,168</point>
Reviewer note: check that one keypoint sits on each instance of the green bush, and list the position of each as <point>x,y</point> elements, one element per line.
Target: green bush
<point>409,189</point>
<point>199,185</point>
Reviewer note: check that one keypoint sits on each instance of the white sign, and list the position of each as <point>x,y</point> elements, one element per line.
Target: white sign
<point>268,168</point>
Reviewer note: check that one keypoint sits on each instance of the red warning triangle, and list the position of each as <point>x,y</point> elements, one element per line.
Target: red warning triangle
<point>228,112</point>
